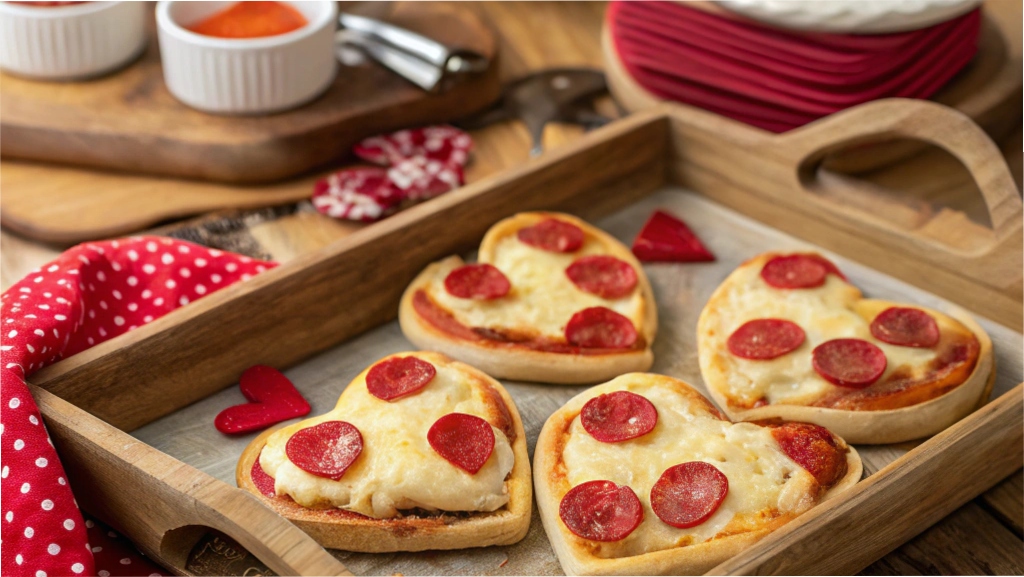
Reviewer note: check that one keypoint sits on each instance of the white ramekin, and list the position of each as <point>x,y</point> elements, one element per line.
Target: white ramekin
<point>246,75</point>
<point>70,42</point>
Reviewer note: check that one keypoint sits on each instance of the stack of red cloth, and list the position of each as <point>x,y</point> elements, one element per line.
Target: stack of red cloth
<point>780,79</point>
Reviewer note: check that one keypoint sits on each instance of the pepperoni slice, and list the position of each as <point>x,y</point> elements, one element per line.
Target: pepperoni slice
<point>618,416</point>
<point>814,448</point>
<point>763,339</point>
<point>688,494</point>
<point>601,511</point>
<point>325,450</point>
<point>477,281</point>
<point>552,235</point>
<point>399,376</point>
<point>600,328</point>
<point>906,327</point>
<point>465,441</point>
<point>602,275</point>
<point>852,363</point>
<point>798,271</point>
<point>264,482</point>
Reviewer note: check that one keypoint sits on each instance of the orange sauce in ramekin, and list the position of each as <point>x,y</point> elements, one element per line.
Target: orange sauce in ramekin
<point>251,20</point>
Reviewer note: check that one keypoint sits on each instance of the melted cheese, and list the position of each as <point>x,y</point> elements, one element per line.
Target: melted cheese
<point>398,470</point>
<point>542,298</point>
<point>761,477</point>
<point>832,311</point>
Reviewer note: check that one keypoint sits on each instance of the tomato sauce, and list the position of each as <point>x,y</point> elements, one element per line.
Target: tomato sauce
<point>251,20</point>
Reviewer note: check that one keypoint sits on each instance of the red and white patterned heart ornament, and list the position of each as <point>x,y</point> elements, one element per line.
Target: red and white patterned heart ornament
<point>419,164</point>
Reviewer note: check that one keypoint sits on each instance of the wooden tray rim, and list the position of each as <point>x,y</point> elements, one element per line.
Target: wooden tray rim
<point>966,438</point>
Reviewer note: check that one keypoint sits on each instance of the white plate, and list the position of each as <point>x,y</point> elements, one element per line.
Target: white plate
<point>852,16</point>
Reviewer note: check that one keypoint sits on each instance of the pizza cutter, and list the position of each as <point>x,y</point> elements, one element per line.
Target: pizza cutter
<point>554,95</point>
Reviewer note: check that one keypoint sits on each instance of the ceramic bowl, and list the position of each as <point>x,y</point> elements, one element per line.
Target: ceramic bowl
<point>70,42</point>
<point>246,75</point>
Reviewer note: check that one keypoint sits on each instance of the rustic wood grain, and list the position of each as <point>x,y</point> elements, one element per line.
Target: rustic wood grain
<point>950,547</point>
<point>1006,502</point>
<point>100,123</point>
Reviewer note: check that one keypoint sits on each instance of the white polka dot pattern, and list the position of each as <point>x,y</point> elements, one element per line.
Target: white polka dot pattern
<point>91,293</point>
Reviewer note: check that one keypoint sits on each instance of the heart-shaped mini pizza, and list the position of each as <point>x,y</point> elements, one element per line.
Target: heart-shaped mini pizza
<point>787,336</point>
<point>643,476</point>
<point>550,299</point>
<point>421,452</point>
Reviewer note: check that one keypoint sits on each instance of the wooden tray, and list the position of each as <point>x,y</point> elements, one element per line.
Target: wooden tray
<point>129,121</point>
<point>988,90</point>
<point>187,434</point>
<point>278,318</point>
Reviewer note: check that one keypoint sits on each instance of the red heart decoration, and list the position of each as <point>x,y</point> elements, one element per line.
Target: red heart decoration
<point>665,238</point>
<point>272,399</point>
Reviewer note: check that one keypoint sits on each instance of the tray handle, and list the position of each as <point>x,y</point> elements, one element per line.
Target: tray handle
<point>164,505</point>
<point>920,120</point>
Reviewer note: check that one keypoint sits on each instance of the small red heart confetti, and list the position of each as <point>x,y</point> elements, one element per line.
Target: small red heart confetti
<point>665,238</point>
<point>272,399</point>
<point>325,450</point>
<point>465,441</point>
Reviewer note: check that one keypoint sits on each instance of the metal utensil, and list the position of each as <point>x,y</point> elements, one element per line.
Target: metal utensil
<point>421,60</point>
<point>555,95</point>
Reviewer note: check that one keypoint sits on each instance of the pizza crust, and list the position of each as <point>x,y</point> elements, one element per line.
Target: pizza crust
<point>521,363</point>
<point>686,560</point>
<point>339,529</point>
<point>865,426</point>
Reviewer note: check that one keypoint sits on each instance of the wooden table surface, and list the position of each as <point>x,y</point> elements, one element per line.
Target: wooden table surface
<point>985,536</point>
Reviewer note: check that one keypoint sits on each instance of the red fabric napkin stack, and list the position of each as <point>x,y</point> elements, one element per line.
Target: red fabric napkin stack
<point>91,293</point>
<point>780,79</point>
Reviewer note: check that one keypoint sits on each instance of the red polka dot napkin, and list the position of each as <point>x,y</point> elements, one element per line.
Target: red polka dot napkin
<point>91,293</point>
<point>418,164</point>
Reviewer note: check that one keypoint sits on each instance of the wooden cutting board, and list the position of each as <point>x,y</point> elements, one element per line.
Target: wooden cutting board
<point>65,205</point>
<point>129,121</point>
